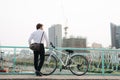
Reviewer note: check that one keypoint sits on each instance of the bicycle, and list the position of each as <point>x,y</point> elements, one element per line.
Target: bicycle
<point>76,63</point>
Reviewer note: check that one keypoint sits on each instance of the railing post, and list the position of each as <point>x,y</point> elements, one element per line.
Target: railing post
<point>1,60</point>
<point>116,67</point>
<point>14,60</point>
<point>103,71</point>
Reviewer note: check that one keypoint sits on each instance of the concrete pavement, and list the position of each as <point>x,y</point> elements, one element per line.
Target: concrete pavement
<point>58,77</point>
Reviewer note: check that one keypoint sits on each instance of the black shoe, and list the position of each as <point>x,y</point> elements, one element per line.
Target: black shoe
<point>38,73</point>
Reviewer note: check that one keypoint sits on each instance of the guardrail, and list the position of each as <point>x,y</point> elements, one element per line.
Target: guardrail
<point>19,60</point>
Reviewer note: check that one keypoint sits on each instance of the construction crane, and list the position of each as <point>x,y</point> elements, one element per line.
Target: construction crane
<point>65,28</point>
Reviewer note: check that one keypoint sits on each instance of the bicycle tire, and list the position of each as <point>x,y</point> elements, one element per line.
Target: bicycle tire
<point>49,67</point>
<point>78,65</point>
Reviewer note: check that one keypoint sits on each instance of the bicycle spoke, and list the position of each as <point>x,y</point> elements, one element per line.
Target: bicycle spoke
<point>79,65</point>
<point>49,65</point>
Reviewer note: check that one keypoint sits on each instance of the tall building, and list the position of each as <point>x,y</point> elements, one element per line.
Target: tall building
<point>0,48</point>
<point>115,35</point>
<point>55,35</point>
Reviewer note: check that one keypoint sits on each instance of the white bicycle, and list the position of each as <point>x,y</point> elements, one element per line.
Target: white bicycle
<point>76,63</point>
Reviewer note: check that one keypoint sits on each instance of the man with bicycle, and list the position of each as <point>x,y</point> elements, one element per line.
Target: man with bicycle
<point>39,36</point>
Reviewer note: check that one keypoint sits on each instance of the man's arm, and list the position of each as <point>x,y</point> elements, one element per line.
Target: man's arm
<point>47,41</point>
<point>30,38</point>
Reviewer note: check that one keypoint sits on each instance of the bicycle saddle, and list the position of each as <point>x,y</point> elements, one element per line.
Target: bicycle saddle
<point>69,51</point>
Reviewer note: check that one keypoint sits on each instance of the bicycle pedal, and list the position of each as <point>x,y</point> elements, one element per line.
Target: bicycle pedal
<point>63,67</point>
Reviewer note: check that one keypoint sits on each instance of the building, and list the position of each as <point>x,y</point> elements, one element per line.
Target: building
<point>74,42</point>
<point>55,35</point>
<point>96,45</point>
<point>115,35</point>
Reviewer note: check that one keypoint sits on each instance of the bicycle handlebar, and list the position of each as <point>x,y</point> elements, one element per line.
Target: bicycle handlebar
<point>52,44</point>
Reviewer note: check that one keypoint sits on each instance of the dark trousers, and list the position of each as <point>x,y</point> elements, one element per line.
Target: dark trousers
<point>39,57</point>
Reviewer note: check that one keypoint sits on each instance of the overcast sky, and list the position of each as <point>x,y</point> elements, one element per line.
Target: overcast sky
<point>87,18</point>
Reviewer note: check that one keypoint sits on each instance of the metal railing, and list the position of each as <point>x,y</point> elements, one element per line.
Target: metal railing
<point>19,60</point>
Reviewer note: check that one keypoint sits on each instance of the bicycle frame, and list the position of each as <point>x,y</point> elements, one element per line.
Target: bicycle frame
<point>54,52</point>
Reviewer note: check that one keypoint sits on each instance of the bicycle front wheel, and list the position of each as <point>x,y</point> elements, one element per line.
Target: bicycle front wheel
<point>50,65</point>
<point>78,65</point>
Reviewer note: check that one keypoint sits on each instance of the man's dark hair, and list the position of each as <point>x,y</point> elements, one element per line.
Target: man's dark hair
<point>38,26</point>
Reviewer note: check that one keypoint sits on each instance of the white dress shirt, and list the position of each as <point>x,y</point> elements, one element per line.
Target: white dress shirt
<point>36,37</point>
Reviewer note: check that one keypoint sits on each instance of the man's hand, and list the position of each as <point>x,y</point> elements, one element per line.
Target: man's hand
<point>47,47</point>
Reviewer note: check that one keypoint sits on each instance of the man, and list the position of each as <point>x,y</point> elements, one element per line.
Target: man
<point>39,36</point>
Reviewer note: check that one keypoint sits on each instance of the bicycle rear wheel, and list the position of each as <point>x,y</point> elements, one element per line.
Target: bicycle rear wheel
<point>50,65</point>
<point>78,65</point>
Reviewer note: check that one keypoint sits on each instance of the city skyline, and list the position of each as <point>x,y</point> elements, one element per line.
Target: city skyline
<point>87,18</point>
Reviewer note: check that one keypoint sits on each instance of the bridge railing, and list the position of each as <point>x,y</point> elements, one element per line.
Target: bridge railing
<point>19,60</point>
